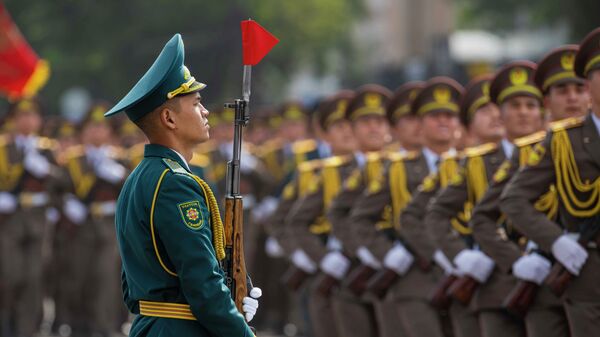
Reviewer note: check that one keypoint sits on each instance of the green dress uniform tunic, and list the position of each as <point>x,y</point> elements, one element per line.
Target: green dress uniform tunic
<point>170,267</point>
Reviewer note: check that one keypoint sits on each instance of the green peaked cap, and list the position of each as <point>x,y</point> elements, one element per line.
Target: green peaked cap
<point>167,77</point>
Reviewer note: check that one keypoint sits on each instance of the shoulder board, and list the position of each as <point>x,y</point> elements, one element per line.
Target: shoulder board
<point>310,165</point>
<point>303,146</point>
<point>74,151</point>
<point>567,123</point>
<point>480,150</point>
<point>449,155</point>
<point>45,143</point>
<point>374,156</point>
<point>530,139</point>
<point>200,159</point>
<point>409,155</point>
<point>174,166</point>
<point>336,161</point>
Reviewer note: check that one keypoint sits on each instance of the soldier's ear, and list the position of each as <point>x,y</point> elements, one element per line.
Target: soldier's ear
<point>168,118</point>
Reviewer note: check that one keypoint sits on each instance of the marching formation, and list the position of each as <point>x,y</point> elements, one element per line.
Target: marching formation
<point>433,210</point>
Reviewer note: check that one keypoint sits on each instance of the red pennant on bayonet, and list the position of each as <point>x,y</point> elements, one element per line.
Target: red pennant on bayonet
<point>256,42</point>
<point>22,72</point>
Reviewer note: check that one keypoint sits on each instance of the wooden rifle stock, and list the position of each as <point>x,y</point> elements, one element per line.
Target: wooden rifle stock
<point>294,278</point>
<point>520,298</point>
<point>439,297</point>
<point>558,279</point>
<point>235,265</point>
<point>381,282</point>
<point>463,289</point>
<point>325,284</point>
<point>358,279</point>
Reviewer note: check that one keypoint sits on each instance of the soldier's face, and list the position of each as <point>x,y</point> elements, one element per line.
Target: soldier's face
<point>339,137</point>
<point>522,115</point>
<point>28,122</point>
<point>486,125</point>
<point>408,132</point>
<point>567,100</point>
<point>192,120</point>
<point>96,133</point>
<point>439,127</point>
<point>593,83</point>
<point>372,133</point>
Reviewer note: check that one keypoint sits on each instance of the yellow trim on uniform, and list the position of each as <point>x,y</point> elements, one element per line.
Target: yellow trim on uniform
<point>401,111</point>
<point>365,111</point>
<point>481,101</point>
<point>524,88</point>
<point>162,264</point>
<point>186,87</point>
<point>557,77</point>
<point>166,310</point>
<point>9,174</point>
<point>452,107</point>
<point>594,61</point>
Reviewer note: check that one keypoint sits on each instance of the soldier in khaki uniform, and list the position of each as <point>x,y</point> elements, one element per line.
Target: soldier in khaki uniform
<point>569,157</point>
<point>513,90</point>
<point>27,167</point>
<point>92,178</point>
<point>406,127</point>
<point>379,208</point>
<point>306,226</point>
<point>564,96</point>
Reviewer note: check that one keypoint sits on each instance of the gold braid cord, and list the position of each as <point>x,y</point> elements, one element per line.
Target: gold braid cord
<point>399,193</point>
<point>9,174</point>
<point>568,180</point>
<point>218,231</point>
<point>331,184</point>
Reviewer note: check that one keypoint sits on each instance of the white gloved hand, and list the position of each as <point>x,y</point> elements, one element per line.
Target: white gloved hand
<point>265,209</point>
<point>74,210</point>
<point>110,170</point>
<point>398,259</point>
<point>250,303</point>
<point>475,264</point>
<point>367,258</point>
<point>52,215</point>
<point>569,253</point>
<point>8,203</point>
<point>273,248</point>
<point>532,267</point>
<point>335,264</point>
<point>443,262</point>
<point>333,243</point>
<point>302,261</point>
<point>36,164</point>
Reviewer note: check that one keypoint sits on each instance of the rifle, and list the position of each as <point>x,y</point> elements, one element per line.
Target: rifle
<point>358,279</point>
<point>325,284</point>
<point>294,278</point>
<point>439,297</point>
<point>559,277</point>
<point>463,289</point>
<point>520,298</point>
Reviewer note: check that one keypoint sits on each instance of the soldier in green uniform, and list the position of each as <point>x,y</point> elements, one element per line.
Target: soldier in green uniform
<point>169,229</point>
<point>568,157</point>
<point>564,95</point>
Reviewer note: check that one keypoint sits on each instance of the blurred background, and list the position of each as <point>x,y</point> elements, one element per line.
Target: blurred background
<point>100,48</point>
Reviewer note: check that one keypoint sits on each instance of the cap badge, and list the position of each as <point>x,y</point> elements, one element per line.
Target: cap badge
<point>372,100</point>
<point>441,95</point>
<point>518,76</point>
<point>567,61</point>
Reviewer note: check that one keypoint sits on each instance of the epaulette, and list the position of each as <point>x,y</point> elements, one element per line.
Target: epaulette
<point>310,165</point>
<point>174,166</point>
<point>480,150</point>
<point>336,161</point>
<point>374,156</point>
<point>530,139</point>
<point>45,143</point>
<point>567,123</point>
<point>74,151</point>
<point>450,155</point>
<point>408,155</point>
<point>200,160</point>
<point>268,147</point>
<point>304,146</point>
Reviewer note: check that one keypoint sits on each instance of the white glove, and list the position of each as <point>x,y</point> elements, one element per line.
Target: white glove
<point>250,303</point>
<point>532,267</point>
<point>475,264</point>
<point>398,259</point>
<point>74,210</point>
<point>110,170</point>
<point>52,215</point>
<point>8,203</point>
<point>333,243</point>
<point>302,261</point>
<point>264,210</point>
<point>442,261</point>
<point>367,258</point>
<point>273,248</point>
<point>36,164</point>
<point>569,253</point>
<point>335,264</point>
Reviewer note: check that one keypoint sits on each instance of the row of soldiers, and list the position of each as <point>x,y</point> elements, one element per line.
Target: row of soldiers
<point>402,231</point>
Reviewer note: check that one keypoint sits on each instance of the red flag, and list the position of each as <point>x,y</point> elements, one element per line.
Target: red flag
<point>22,72</point>
<point>256,42</point>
